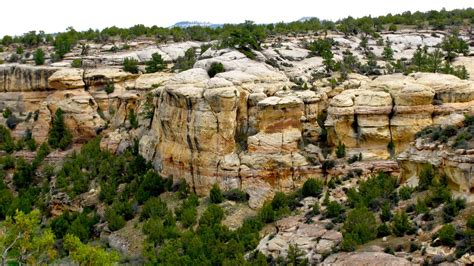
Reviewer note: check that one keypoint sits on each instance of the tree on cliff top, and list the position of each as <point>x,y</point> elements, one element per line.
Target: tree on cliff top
<point>59,136</point>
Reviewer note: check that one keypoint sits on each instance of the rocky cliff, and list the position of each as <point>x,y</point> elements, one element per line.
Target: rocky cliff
<point>253,126</point>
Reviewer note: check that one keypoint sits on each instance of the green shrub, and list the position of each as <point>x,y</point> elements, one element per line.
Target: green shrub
<point>421,206</point>
<point>42,152</point>
<point>348,242</point>
<point>183,189</point>
<point>188,216</point>
<point>20,50</point>
<point>6,199</point>
<point>405,193</point>
<point>133,119</point>
<point>327,165</point>
<point>296,256</point>
<point>383,230</point>
<point>389,250</point>
<point>266,213</point>
<point>360,223</point>
<point>155,64</point>
<point>453,44</point>
<point>154,207</point>
<point>315,210</point>
<point>59,136</point>
<point>152,185</point>
<point>392,27</point>
<point>401,224</point>
<point>437,195</point>
<point>279,201</point>
<point>334,210</point>
<point>124,209</point>
<point>187,61</point>
<point>7,112</point>
<point>114,220</point>
<point>64,42</point>
<point>452,209</point>
<point>23,175</point>
<point>82,226</point>
<point>447,235</point>
<point>76,63</point>
<point>130,65</point>
<point>39,57</point>
<point>470,222</point>
<point>215,194</point>
<point>6,141</point>
<point>215,69</point>
<point>387,51</point>
<point>386,214</point>
<point>236,195</point>
<point>7,162</point>
<point>212,215</point>
<point>204,48</point>
<point>157,231</point>
<point>312,188</point>
<point>373,192</point>
<point>340,150</point>
<point>109,88</point>
<point>426,177</point>
<point>320,47</point>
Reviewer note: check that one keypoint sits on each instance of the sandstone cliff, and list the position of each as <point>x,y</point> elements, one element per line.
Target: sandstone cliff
<point>257,126</point>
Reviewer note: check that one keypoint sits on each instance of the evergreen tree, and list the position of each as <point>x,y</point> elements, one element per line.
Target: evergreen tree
<point>59,136</point>
<point>216,194</point>
<point>387,51</point>
<point>155,64</point>
<point>39,57</point>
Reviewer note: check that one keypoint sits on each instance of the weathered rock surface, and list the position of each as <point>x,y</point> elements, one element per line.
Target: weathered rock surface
<point>393,108</point>
<point>253,126</point>
<point>457,165</point>
<point>365,258</point>
<point>312,238</point>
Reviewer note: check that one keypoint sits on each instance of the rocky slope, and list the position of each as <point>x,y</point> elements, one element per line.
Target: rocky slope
<point>251,127</point>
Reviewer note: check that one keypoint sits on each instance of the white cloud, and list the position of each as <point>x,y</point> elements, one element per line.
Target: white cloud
<point>21,16</point>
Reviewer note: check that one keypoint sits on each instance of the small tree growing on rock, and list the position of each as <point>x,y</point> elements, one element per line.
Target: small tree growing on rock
<point>39,57</point>
<point>215,69</point>
<point>341,150</point>
<point>155,64</point>
<point>387,51</point>
<point>360,223</point>
<point>312,188</point>
<point>401,224</point>
<point>216,194</point>
<point>59,136</point>
<point>446,235</point>
<point>130,65</point>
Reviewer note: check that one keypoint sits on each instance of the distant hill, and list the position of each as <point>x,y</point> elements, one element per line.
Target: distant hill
<point>186,24</point>
<point>303,19</point>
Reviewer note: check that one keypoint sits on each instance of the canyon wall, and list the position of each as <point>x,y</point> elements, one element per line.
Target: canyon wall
<point>251,127</point>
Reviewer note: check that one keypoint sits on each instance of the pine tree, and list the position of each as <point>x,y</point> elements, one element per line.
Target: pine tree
<point>59,136</point>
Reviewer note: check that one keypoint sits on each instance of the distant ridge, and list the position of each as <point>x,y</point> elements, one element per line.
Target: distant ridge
<point>303,19</point>
<point>186,24</point>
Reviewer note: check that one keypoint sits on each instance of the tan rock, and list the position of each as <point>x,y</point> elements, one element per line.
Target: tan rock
<point>69,78</point>
<point>365,258</point>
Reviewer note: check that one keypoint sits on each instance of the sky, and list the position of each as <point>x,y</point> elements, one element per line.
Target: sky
<point>20,16</point>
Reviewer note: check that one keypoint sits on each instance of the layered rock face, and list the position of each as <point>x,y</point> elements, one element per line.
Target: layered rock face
<point>254,126</point>
<point>33,94</point>
<point>456,165</point>
<point>392,109</point>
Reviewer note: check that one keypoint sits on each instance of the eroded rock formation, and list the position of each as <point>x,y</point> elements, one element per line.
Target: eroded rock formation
<point>254,126</point>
